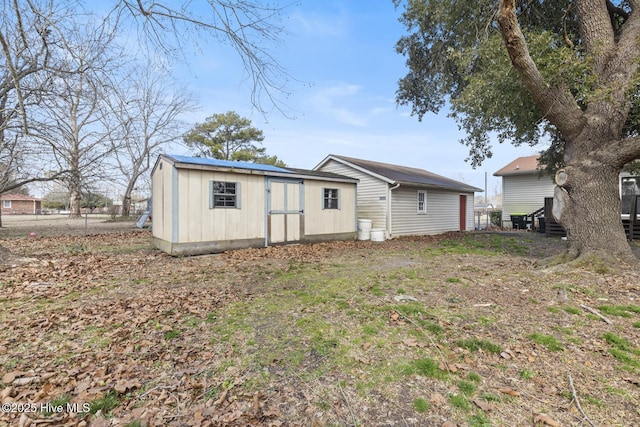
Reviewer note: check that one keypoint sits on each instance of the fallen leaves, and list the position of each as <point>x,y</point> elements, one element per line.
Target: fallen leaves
<point>545,420</point>
<point>140,326</point>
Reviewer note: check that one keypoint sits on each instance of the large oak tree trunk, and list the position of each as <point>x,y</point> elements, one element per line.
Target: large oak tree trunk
<point>588,206</point>
<point>75,197</point>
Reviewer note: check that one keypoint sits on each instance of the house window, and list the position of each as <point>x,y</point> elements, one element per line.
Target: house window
<point>6,204</point>
<point>224,194</point>
<point>422,202</point>
<point>630,189</point>
<point>331,198</point>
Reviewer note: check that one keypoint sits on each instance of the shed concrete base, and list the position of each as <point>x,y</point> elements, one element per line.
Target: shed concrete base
<point>201,248</point>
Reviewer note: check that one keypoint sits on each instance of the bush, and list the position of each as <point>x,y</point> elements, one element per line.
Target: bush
<point>496,218</point>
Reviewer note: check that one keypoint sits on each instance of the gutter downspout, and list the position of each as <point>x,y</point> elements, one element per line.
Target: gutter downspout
<point>389,219</point>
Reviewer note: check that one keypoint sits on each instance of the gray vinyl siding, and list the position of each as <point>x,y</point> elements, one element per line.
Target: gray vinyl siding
<point>442,215</point>
<point>371,193</point>
<point>524,194</point>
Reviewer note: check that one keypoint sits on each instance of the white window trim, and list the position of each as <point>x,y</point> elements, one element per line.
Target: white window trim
<point>6,204</point>
<point>212,195</point>
<point>424,202</point>
<point>337,195</point>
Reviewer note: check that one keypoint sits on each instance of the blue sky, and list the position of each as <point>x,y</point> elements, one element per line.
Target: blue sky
<point>342,57</point>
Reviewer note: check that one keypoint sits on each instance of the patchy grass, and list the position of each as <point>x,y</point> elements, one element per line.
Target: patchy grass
<point>476,344</point>
<point>548,341</point>
<point>312,334</point>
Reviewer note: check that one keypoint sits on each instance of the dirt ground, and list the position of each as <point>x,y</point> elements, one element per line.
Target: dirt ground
<point>451,330</point>
<point>62,225</point>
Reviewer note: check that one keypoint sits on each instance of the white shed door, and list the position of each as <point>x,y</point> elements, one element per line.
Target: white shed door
<point>284,210</point>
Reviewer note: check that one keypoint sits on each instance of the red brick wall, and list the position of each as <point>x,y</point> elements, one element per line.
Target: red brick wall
<point>21,207</point>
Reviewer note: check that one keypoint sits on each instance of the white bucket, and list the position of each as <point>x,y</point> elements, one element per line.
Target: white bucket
<point>364,225</point>
<point>364,235</point>
<point>377,235</point>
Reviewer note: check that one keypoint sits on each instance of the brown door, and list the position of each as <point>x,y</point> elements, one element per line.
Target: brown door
<point>463,212</point>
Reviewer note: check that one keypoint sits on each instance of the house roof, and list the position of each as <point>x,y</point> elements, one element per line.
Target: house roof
<point>14,196</point>
<point>225,163</point>
<point>255,168</point>
<point>395,174</point>
<point>520,166</point>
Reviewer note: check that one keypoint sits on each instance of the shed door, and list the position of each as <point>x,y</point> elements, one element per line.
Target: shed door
<point>463,212</point>
<point>285,208</point>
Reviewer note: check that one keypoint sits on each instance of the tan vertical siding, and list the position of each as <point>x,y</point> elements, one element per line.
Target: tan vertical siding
<point>370,191</point>
<point>329,221</point>
<point>162,196</point>
<point>199,223</point>
<point>524,194</point>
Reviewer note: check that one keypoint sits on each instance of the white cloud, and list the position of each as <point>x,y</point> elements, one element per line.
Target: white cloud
<point>316,25</point>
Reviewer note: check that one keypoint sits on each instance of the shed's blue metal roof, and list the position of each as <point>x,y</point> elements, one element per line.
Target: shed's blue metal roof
<point>226,163</point>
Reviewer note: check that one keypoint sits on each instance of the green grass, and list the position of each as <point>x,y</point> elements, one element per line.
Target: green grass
<point>526,374</point>
<point>467,388</point>
<point>572,310</point>
<point>619,310</point>
<point>548,341</point>
<point>425,367</point>
<point>106,403</point>
<point>474,377</point>
<point>479,420</point>
<point>421,405</point>
<point>623,351</point>
<point>475,344</point>
<point>460,401</point>
<point>169,335</point>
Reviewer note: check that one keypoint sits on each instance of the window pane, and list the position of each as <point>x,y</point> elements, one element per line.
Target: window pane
<point>224,194</point>
<point>330,198</point>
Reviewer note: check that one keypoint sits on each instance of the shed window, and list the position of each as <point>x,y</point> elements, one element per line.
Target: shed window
<point>224,194</point>
<point>6,204</point>
<point>331,198</point>
<point>422,202</point>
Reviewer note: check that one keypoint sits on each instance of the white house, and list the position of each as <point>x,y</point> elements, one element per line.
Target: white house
<point>524,188</point>
<point>208,205</point>
<point>406,201</point>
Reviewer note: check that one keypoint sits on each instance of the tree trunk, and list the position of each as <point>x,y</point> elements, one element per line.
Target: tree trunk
<point>74,201</point>
<point>588,206</point>
<point>126,206</point>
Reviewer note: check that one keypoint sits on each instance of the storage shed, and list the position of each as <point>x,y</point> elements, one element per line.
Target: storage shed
<point>207,205</point>
<point>406,201</point>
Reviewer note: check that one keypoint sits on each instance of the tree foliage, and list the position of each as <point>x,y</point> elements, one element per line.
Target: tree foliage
<point>228,136</point>
<point>525,72</point>
<point>456,57</point>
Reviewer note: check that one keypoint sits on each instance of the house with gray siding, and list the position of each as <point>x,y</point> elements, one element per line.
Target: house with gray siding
<point>524,187</point>
<point>403,200</point>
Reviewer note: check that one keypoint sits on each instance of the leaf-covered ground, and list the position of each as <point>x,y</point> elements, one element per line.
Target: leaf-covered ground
<point>443,331</point>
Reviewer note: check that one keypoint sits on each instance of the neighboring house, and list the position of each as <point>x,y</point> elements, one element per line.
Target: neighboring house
<point>208,205</point>
<point>406,201</point>
<point>524,188</point>
<point>19,204</point>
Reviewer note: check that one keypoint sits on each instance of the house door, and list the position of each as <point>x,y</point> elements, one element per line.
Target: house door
<point>463,212</point>
<point>285,207</point>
